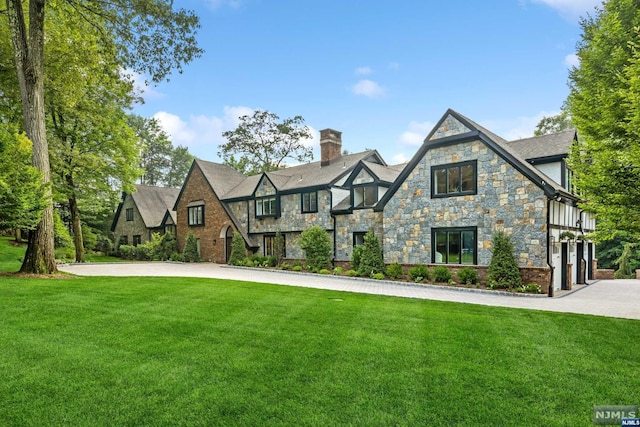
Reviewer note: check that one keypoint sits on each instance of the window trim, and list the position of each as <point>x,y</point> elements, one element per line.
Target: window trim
<point>199,220</point>
<point>459,230</point>
<point>128,214</point>
<point>137,239</point>
<point>358,234</point>
<point>302,204</point>
<point>363,186</point>
<point>273,236</point>
<point>446,168</point>
<point>276,206</point>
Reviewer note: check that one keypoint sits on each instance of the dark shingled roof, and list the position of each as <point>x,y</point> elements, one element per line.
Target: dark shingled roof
<point>153,203</point>
<point>384,173</point>
<point>538,147</point>
<point>221,178</point>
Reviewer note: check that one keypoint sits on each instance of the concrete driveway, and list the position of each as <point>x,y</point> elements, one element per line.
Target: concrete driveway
<point>612,298</point>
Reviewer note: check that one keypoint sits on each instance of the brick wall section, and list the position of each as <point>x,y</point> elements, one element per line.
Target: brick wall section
<point>216,220</point>
<point>130,228</point>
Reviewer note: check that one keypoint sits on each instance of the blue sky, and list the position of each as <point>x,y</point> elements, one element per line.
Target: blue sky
<point>382,72</point>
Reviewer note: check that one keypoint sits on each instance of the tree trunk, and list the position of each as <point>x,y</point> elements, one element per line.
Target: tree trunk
<point>18,234</point>
<point>75,222</point>
<point>28,52</point>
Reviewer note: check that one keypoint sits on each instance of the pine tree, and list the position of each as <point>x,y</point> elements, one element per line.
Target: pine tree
<point>371,261</point>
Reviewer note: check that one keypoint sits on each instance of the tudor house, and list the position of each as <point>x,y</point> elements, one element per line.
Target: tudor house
<point>148,210</point>
<point>443,207</point>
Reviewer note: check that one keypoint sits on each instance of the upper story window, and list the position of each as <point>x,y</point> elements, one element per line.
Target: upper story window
<point>129,213</point>
<point>454,245</point>
<point>365,196</point>
<point>310,202</point>
<point>455,179</point>
<point>196,215</point>
<point>266,206</point>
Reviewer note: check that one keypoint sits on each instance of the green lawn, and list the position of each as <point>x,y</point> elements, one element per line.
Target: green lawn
<point>180,351</point>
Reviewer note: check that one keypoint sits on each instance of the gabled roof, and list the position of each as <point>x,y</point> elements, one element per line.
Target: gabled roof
<point>153,203</point>
<point>308,175</point>
<point>384,173</point>
<point>537,148</point>
<point>222,178</point>
<point>454,128</point>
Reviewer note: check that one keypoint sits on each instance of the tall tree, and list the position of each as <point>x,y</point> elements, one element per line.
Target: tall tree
<point>604,103</point>
<point>156,149</point>
<point>553,124</point>
<point>263,142</point>
<point>181,161</point>
<point>91,144</point>
<point>147,35</point>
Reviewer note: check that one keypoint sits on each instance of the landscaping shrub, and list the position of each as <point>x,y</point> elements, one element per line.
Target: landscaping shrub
<point>419,273</point>
<point>503,268</point>
<point>278,249</point>
<point>127,251</point>
<point>356,255</point>
<point>285,266</point>
<point>371,261</point>
<point>441,274</point>
<point>61,236</point>
<point>191,249</point>
<point>317,247</point>
<point>468,276</point>
<point>377,276</point>
<point>338,271</point>
<point>395,271</point>
<point>238,251</point>
<point>104,245</point>
<point>623,262</point>
<point>352,273</point>
<point>163,246</point>
<point>324,271</point>
<point>296,268</point>
<point>178,257</point>
<point>89,238</point>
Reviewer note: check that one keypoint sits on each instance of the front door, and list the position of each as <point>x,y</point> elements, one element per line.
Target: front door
<point>579,262</point>
<point>228,242</point>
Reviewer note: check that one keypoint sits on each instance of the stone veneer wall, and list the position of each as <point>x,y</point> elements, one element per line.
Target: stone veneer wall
<point>130,228</point>
<point>505,201</point>
<point>361,220</point>
<point>216,220</point>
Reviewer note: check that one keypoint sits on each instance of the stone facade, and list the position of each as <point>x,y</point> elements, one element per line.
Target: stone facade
<point>128,229</point>
<point>505,201</point>
<point>360,221</point>
<point>216,221</point>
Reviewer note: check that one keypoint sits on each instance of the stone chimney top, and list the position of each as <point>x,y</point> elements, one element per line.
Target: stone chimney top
<point>330,146</point>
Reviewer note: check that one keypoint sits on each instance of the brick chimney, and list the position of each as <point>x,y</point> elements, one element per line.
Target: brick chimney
<point>330,146</point>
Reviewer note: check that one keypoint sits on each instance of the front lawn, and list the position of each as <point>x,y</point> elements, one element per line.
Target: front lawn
<point>181,351</point>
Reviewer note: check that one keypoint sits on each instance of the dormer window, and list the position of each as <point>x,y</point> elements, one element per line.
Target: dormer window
<point>266,207</point>
<point>365,196</point>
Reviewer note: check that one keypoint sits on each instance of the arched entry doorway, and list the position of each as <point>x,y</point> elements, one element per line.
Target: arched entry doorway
<point>228,243</point>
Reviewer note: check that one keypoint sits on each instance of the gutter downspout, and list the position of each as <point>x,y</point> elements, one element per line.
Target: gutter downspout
<point>549,249</point>
<point>333,219</point>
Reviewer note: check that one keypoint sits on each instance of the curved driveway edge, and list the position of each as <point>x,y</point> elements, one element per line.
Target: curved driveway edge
<point>611,298</point>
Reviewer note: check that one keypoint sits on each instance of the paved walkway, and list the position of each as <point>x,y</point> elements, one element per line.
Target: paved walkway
<point>612,298</point>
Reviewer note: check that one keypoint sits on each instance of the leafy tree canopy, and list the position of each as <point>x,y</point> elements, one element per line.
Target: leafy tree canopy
<point>263,142</point>
<point>604,103</point>
<point>553,124</point>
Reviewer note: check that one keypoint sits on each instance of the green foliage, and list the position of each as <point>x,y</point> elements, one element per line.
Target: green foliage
<point>278,248</point>
<point>317,247</point>
<point>356,256</point>
<point>263,142</point>
<point>62,238</point>
<point>338,271</point>
<point>610,250</point>
<point>467,275</point>
<point>352,273</point>
<point>104,244</point>
<point>89,238</point>
<point>238,250</point>
<point>604,103</point>
<point>323,271</point>
<point>285,266</point>
<point>531,288</point>
<point>503,268</point>
<point>553,124</point>
<point>377,276</point>
<point>625,270</point>
<point>21,189</point>
<point>395,271</point>
<point>419,273</point>
<point>127,251</point>
<point>166,246</point>
<point>371,261</point>
<point>441,274</point>
<point>191,249</point>
<point>177,257</point>
<point>296,268</point>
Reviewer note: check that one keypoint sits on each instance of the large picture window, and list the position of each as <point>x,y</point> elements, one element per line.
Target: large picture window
<point>196,215</point>
<point>271,246</point>
<point>454,245</point>
<point>310,202</point>
<point>266,207</point>
<point>453,180</point>
<point>365,196</point>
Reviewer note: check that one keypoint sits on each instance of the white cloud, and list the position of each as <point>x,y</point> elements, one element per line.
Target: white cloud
<point>368,88</point>
<point>363,71</point>
<point>520,127</point>
<point>201,134</point>
<point>416,133</point>
<point>571,9</point>
<point>399,158</point>
<point>572,60</point>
